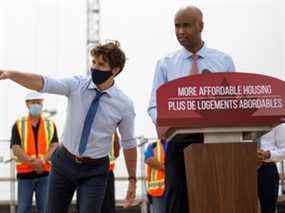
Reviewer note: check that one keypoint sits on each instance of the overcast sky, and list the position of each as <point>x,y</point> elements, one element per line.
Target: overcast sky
<point>49,37</point>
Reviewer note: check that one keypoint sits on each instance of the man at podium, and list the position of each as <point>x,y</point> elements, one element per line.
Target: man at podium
<point>194,58</point>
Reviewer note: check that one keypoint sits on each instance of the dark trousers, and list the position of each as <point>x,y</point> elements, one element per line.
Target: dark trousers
<point>268,182</point>
<point>67,176</point>
<point>109,199</point>
<point>175,179</point>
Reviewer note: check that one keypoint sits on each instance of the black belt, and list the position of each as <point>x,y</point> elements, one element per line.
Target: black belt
<point>82,160</point>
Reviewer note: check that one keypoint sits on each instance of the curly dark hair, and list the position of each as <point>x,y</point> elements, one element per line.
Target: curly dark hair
<point>111,53</point>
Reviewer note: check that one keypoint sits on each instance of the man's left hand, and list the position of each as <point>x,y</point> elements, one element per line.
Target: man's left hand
<point>131,194</point>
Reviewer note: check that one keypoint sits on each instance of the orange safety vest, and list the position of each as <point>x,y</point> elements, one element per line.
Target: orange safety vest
<point>112,155</point>
<point>155,178</point>
<point>45,135</point>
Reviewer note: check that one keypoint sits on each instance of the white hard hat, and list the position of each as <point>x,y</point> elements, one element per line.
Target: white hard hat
<point>34,96</point>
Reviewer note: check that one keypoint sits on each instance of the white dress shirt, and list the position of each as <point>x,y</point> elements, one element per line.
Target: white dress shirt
<point>274,141</point>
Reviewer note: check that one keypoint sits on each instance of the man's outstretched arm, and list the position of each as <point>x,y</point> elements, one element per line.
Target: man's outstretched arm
<point>41,83</point>
<point>28,80</point>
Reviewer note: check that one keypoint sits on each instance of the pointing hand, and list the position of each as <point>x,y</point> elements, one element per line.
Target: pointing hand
<point>4,74</point>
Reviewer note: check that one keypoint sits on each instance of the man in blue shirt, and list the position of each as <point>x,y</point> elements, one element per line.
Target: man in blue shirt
<point>96,108</point>
<point>193,58</point>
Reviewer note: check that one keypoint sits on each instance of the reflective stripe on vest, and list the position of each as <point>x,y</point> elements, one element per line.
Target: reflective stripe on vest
<point>155,178</point>
<point>45,135</point>
<point>112,155</point>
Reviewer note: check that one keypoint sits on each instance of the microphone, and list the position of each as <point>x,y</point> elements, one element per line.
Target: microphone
<point>205,71</point>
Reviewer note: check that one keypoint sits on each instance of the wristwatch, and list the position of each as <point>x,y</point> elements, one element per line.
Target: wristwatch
<point>132,178</point>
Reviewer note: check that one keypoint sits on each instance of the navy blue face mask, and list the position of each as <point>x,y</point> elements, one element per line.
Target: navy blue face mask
<point>99,76</point>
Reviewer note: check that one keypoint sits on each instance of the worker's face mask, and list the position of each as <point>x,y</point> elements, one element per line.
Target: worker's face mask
<point>99,76</point>
<point>35,109</point>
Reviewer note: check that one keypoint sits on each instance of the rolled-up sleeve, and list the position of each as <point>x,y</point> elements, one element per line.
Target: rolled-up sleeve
<point>127,129</point>
<point>62,86</point>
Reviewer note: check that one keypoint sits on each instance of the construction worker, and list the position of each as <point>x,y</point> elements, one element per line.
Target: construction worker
<point>154,158</point>
<point>108,205</point>
<point>34,139</point>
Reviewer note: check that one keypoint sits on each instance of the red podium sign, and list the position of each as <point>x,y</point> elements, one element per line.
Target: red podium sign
<point>220,99</point>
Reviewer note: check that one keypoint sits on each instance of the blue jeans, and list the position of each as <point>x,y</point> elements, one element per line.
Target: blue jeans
<point>26,188</point>
<point>67,176</point>
<point>158,205</point>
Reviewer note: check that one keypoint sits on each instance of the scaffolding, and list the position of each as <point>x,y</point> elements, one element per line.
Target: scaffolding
<point>92,26</point>
<point>93,22</point>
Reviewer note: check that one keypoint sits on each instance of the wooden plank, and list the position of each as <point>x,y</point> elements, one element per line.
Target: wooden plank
<point>221,178</point>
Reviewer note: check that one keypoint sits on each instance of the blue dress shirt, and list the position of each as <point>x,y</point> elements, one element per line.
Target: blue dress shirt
<point>178,65</point>
<point>115,110</point>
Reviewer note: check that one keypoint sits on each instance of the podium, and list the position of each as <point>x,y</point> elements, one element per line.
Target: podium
<point>230,110</point>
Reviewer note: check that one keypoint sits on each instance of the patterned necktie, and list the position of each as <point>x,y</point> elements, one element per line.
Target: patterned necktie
<point>88,121</point>
<point>194,68</point>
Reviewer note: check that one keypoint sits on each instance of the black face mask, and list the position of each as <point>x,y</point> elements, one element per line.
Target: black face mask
<point>99,76</point>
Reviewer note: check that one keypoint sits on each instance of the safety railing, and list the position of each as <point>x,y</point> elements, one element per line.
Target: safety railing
<point>11,177</point>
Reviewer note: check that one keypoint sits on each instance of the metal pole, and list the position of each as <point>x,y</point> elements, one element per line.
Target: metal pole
<point>143,141</point>
<point>92,27</point>
<point>282,177</point>
<point>12,185</point>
